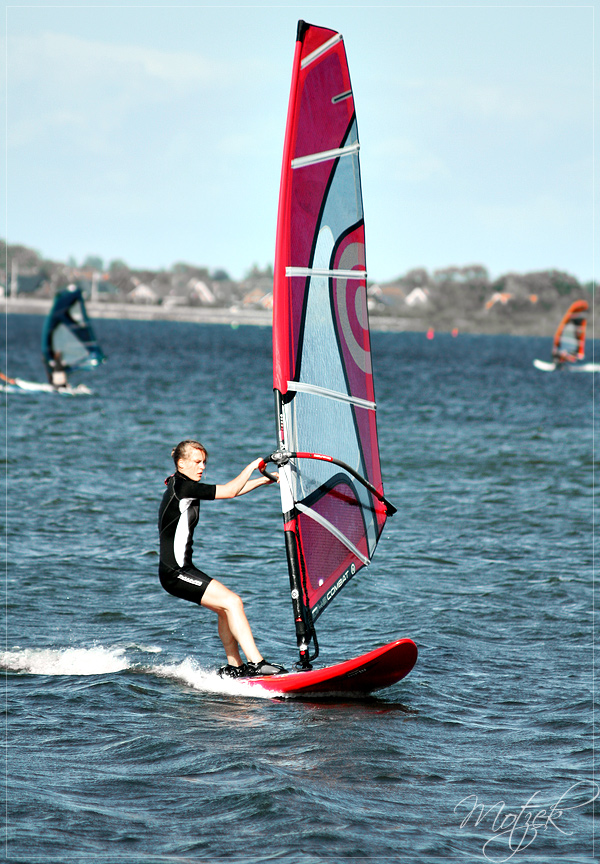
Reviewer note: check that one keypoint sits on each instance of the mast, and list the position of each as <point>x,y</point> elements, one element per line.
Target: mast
<point>304,625</point>
<point>281,361</point>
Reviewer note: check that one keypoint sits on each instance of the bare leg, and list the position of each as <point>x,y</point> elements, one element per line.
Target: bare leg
<point>234,630</point>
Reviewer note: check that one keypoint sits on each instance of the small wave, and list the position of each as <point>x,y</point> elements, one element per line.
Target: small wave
<point>145,649</point>
<point>65,661</point>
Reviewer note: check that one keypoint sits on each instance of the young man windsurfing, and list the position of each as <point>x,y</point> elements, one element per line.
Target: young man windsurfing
<point>178,516</point>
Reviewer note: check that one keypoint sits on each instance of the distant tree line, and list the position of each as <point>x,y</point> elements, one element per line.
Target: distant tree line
<point>448,297</point>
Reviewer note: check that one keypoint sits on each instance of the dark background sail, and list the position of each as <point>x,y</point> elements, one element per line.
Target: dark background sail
<point>68,330</point>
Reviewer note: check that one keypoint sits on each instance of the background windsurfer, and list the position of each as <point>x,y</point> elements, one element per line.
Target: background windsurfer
<point>560,355</point>
<point>178,516</point>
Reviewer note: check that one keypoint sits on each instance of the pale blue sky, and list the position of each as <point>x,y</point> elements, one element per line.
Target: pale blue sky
<point>154,133</point>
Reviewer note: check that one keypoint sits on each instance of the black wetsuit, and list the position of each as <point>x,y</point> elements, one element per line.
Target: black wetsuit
<point>177,517</point>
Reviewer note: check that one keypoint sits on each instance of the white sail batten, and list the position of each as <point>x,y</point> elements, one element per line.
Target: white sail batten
<point>322,49</point>
<point>361,275</point>
<point>301,387</point>
<point>325,155</point>
<point>312,514</point>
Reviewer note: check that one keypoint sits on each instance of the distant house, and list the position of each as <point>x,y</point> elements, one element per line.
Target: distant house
<point>391,295</point>
<point>29,283</point>
<point>142,293</point>
<point>258,297</point>
<point>499,297</point>
<point>374,300</point>
<point>200,291</point>
<point>97,287</point>
<point>417,296</point>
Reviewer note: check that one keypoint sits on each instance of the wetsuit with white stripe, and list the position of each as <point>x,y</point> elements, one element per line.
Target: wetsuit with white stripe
<point>177,517</point>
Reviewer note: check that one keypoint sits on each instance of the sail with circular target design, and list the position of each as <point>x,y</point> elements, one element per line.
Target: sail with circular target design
<point>330,476</point>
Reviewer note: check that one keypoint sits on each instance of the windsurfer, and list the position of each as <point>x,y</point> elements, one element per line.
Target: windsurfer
<point>178,516</point>
<point>57,372</point>
<point>561,355</point>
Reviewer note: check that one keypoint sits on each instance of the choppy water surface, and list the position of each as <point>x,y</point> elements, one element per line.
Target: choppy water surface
<point>123,745</point>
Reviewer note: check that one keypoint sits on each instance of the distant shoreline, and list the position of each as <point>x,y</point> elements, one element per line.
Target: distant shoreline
<point>188,314</point>
<point>263,318</point>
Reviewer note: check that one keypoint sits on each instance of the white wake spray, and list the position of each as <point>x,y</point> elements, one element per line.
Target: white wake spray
<point>208,681</point>
<point>65,661</point>
<point>101,661</point>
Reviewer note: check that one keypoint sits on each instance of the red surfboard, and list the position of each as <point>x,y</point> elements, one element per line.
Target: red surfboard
<point>372,671</point>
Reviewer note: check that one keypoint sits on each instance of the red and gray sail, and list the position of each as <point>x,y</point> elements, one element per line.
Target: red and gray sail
<point>333,505</point>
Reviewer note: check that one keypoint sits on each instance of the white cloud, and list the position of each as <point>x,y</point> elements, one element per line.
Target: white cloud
<point>65,90</point>
<point>94,92</point>
<point>76,61</point>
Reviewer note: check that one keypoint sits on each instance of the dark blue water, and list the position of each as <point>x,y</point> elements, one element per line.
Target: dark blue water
<point>123,745</point>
